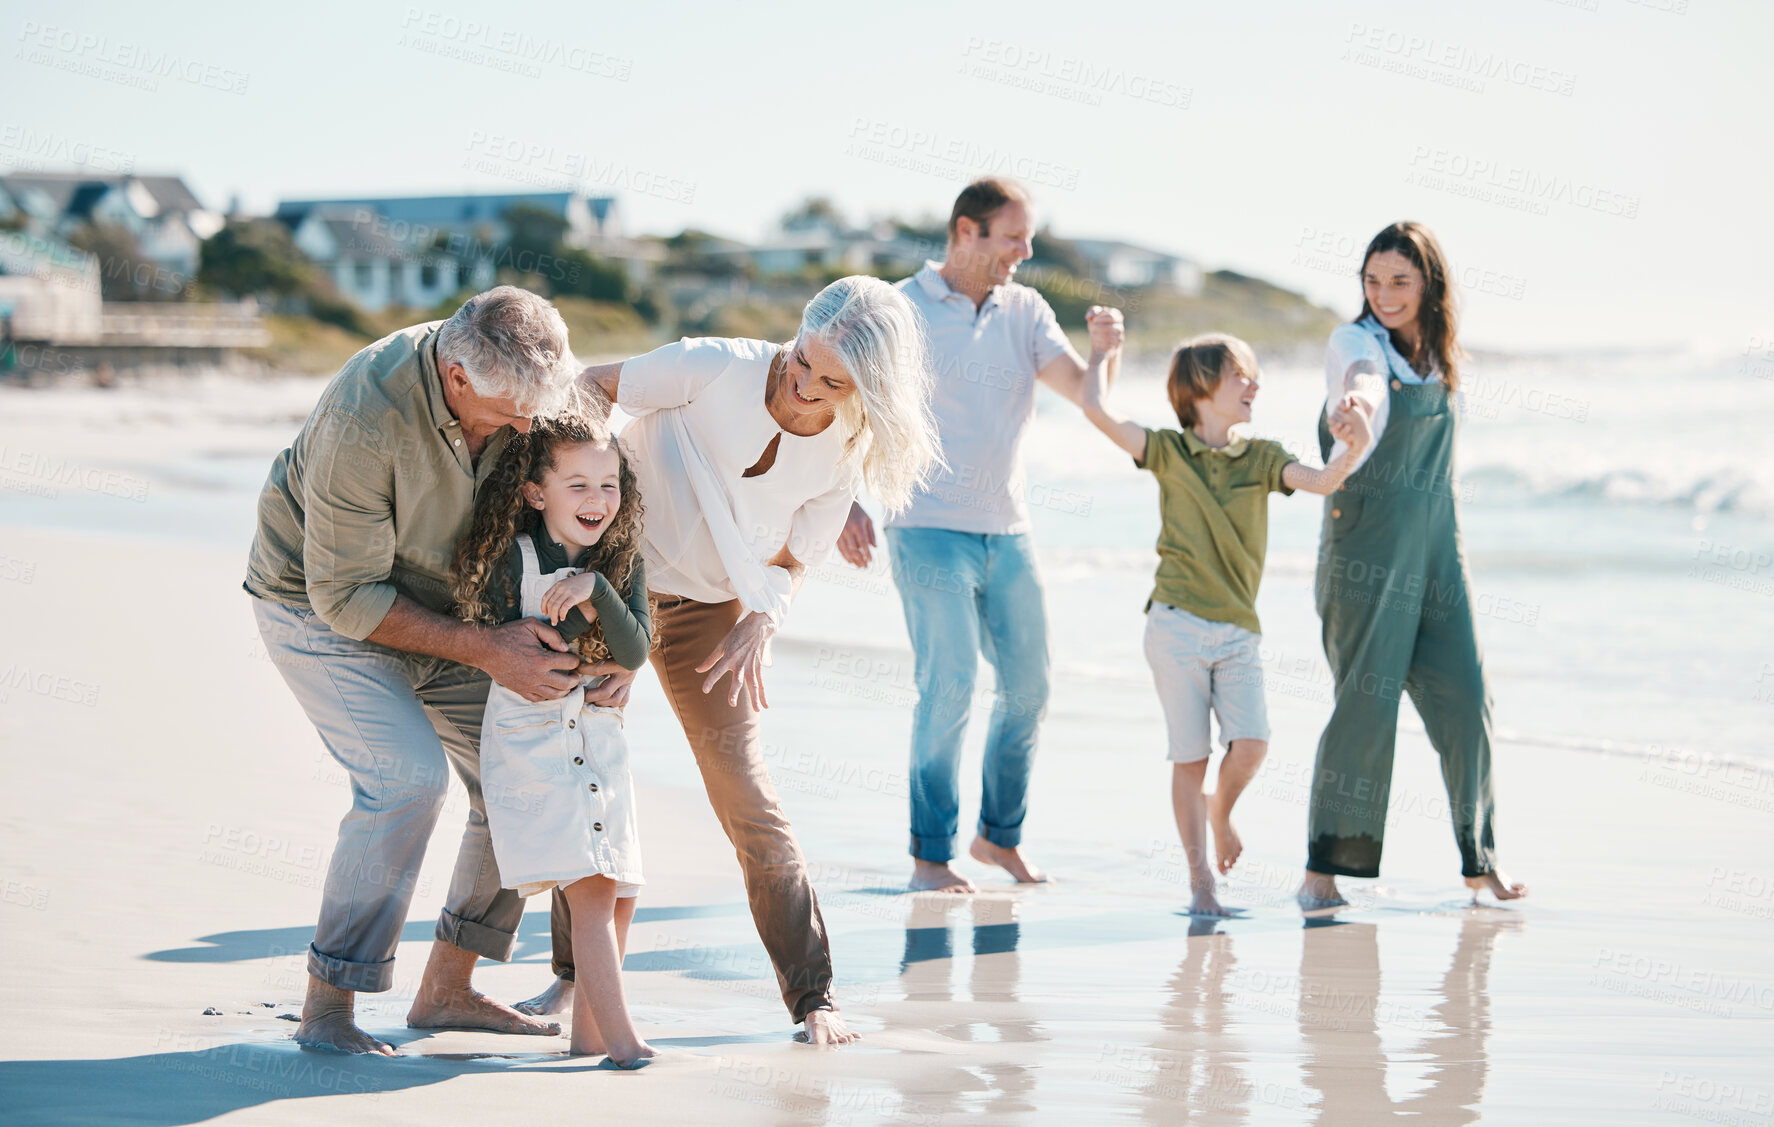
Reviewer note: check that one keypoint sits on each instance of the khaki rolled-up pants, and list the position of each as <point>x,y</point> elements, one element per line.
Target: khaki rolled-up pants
<point>728,743</point>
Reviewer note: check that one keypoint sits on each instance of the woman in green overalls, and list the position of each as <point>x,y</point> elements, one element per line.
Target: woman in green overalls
<point>1392,586</point>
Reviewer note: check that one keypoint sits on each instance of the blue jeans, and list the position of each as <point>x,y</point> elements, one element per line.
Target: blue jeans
<point>966,593</point>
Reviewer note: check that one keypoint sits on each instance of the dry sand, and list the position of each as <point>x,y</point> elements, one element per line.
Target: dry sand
<point>170,813</point>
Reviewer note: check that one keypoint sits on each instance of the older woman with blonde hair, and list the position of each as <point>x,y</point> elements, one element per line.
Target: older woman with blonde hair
<point>749,454</point>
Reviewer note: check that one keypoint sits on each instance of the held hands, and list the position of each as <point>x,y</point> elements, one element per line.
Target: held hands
<point>569,593</point>
<point>1107,333</point>
<point>529,658</point>
<point>1351,422</point>
<point>741,653</point>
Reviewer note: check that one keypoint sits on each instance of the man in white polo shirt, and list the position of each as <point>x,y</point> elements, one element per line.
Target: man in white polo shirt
<point>961,552</point>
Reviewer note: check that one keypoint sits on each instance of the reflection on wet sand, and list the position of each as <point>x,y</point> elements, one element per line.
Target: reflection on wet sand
<point>1197,1071</point>
<point>988,928</point>
<point>1341,1015</point>
<point>1201,1067</point>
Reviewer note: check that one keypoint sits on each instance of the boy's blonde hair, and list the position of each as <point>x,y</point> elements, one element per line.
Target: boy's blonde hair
<point>1199,365</point>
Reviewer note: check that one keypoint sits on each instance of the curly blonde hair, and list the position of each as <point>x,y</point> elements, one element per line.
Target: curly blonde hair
<point>479,572</point>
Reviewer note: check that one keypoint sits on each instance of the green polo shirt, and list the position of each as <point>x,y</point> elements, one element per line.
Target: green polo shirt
<point>1208,566</point>
<point>371,497</point>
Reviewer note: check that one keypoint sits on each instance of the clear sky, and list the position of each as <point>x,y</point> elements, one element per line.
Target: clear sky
<point>1600,171</point>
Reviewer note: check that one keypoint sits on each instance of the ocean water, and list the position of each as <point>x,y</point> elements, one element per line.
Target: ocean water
<point>1618,519</point>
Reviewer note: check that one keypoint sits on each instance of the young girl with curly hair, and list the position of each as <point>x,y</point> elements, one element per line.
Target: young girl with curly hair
<point>556,535</point>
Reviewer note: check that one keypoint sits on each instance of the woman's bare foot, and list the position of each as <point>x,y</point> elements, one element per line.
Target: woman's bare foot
<point>467,1008</point>
<point>557,999</point>
<point>329,1022</point>
<point>938,876</point>
<point>1205,903</point>
<point>1227,845</point>
<point>1009,859</point>
<point>825,1027</point>
<point>1319,891</point>
<point>1500,886</point>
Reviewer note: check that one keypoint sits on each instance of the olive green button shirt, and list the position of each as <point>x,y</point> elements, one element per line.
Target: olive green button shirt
<point>371,497</point>
<point>1210,564</point>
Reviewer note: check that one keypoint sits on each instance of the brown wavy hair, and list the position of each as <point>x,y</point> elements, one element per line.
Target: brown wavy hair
<point>1438,318</point>
<point>1197,368</point>
<point>479,571</point>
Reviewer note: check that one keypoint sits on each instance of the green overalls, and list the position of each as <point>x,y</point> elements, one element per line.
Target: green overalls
<point>1394,599</point>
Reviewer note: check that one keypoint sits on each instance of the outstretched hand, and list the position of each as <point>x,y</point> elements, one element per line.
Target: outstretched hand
<point>1351,422</point>
<point>741,653</point>
<point>857,542</point>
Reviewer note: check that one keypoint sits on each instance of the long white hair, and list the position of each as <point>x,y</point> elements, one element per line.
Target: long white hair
<point>879,336</point>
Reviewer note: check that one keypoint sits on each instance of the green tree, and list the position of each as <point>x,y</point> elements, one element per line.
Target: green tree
<point>254,257</point>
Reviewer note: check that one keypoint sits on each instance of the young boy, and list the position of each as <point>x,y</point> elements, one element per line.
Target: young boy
<point>1202,632</point>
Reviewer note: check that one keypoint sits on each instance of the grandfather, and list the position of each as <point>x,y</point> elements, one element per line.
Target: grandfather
<point>350,578</point>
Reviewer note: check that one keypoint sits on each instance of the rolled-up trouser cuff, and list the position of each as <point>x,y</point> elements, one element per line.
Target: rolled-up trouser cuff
<point>343,974</point>
<point>938,850</point>
<point>1002,838</point>
<point>487,942</point>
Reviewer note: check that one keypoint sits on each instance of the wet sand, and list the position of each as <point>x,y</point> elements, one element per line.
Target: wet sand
<point>171,813</point>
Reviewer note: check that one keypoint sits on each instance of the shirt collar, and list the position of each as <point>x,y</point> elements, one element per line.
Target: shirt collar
<point>935,286</point>
<point>1232,449</point>
<point>441,417</point>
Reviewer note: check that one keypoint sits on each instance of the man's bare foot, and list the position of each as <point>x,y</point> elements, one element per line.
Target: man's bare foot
<point>1499,885</point>
<point>937,876</point>
<point>468,1008</point>
<point>825,1027</point>
<point>1319,891</point>
<point>557,999</point>
<point>1227,846</point>
<point>1205,903</point>
<point>328,1022</point>
<point>1009,859</point>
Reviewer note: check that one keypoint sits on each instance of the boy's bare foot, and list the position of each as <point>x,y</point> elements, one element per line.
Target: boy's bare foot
<point>1500,886</point>
<point>328,1022</point>
<point>557,999</point>
<point>825,1027</point>
<point>1010,859</point>
<point>1205,903</point>
<point>467,1008</point>
<point>937,876</point>
<point>1227,845</point>
<point>1319,891</point>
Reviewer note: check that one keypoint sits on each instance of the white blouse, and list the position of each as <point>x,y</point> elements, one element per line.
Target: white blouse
<point>1359,360</point>
<point>711,389</point>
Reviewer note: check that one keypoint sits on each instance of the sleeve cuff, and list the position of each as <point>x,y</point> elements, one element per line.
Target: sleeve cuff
<point>359,613</point>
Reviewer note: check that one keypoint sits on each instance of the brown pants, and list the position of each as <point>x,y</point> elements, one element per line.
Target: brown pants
<point>729,747</point>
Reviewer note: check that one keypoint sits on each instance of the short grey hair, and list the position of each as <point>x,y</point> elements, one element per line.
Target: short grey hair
<point>513,345</point>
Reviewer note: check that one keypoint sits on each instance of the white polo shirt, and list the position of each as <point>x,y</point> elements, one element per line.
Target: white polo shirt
<point>985,363</point>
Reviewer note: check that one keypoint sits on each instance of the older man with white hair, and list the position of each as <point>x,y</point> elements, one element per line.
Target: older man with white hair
<point>350,577</point>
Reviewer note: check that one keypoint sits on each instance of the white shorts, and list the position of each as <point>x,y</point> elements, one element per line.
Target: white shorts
<point>1201,666</point>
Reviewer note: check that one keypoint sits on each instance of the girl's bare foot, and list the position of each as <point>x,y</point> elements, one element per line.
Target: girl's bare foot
<point>1227,846</point>
<point>634,1056</point>
<point>1010,859</point>
<point>1499,885</point>
<point>1319,891</point>
<point>557,999</point>
<point>938,876</point>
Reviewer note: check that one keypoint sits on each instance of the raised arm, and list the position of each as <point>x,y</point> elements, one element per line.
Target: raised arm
<point>1067,374</point>
<point>1105,356</point>
<point>605,377</point>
